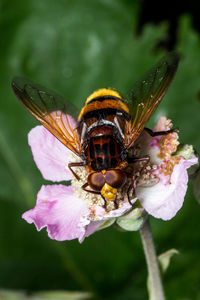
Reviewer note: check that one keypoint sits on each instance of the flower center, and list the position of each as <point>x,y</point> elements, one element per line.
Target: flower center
<point>112,195</point>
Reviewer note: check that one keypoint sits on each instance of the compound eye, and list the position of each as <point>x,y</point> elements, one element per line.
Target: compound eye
<point>116,178</point>
<point>96,181</point>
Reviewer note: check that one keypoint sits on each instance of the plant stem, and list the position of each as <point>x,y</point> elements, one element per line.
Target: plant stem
<point>155,287</point>
<point>16,170</point>
<point>71,266</point>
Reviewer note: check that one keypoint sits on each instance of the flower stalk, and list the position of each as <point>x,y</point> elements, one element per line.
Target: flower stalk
<point>155,287</point>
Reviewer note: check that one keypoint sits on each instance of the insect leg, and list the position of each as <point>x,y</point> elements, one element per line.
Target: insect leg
<point>76,164</point>
<point>133,184</point>
<point>138,159</point>
<point>131,187</point>
<point>83,133</point>
<point>157,133</point>
<point>145,158</point>
<point>84,187</point>
<point>118,126</point>
<point>105,202</point>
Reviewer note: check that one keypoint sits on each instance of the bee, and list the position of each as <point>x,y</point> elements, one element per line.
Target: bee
<point>107,129</point>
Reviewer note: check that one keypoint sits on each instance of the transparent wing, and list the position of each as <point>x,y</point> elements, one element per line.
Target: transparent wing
<point>53,111</point>
<point>147,94</point>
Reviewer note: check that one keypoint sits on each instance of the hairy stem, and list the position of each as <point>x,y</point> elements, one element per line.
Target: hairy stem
<point>155,286</point>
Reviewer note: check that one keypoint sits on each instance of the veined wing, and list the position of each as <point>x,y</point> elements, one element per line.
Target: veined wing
<point>53,111</point>
<point>148,93</point>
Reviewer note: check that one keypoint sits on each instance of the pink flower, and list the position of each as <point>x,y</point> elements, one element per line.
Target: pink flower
<point>68,212</point>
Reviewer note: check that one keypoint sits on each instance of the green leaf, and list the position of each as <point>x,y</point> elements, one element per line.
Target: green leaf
<point>12,295</point>
<point>62,295</point>
<point>58,295</point>
<point>165,258</point>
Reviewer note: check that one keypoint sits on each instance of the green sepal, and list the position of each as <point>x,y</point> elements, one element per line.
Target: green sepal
<point>132,221</point>
<point>106,224</point>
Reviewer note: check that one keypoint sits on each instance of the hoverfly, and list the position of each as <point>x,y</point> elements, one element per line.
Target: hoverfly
<point>108,126</point>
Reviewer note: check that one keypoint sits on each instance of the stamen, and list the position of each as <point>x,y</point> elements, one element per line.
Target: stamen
<point>168,145</point>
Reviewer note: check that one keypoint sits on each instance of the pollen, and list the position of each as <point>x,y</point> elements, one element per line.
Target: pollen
<point>147,178</point>
<point>168,146</point>
<point>89,198</point>
<point>93,200</point>
<point>141,174</point>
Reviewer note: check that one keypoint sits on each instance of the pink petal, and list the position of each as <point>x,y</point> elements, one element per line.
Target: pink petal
<point>90,229</point>
<point>58,209</point>
<point>102,217</point>
<point>164,201</point>
<point>163,124</point>
<point>125,207</point>
<point>50,155</point>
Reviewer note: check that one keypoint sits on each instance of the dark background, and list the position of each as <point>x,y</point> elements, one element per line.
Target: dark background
<point>75,47</point>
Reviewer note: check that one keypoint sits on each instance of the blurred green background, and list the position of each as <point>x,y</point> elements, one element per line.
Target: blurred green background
<point>75,47</point>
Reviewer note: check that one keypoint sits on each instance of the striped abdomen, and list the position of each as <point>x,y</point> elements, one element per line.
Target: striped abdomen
<point>103,153</point>
<point>103,149</point>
